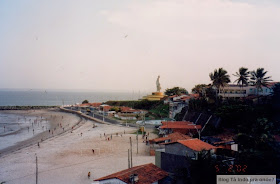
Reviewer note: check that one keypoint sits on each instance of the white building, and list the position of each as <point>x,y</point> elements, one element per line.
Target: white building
<point>235,91</point>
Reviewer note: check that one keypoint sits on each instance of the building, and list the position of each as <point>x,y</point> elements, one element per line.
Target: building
<point>143,174</point>
<point>184,127</point>
<point>173,137</point>
<point>127,113</point>
<point>189,147</point>
<point>177,155</point>
<point>236,91</point>
<point>178,102</point>
<point>159,143</point>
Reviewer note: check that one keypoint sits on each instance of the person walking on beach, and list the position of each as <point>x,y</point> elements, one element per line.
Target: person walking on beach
<point>38,145</point>
<point>88,175</point>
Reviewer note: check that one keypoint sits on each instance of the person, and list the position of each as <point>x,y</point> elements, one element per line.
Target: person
<point>93,151</point>
<point>88,175</point>
<point>38,145</point>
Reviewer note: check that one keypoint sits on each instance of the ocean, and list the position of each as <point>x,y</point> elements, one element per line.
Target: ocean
<point>56,98</point>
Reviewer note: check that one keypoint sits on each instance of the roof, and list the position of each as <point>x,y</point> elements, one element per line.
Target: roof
<point>176,122</point>
<point>172,137</point>
<point>106,108</point>
<point>95,104</point>
<point>196,144</point>
<point>179,125</point>
<point>147,174</point>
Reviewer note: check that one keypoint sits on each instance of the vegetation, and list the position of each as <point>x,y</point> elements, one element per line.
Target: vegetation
<point>200,89</point>
<point>141,104</point>
<point>85,102</point>
<point>175,91</point>
<point>242,77</point>
<point>219,78</point>
<point>258,78</point>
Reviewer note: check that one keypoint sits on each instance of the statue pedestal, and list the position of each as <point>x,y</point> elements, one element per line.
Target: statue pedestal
<point>156,96</point>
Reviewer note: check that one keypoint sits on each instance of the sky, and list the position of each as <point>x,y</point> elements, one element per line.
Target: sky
<point>124,45</point>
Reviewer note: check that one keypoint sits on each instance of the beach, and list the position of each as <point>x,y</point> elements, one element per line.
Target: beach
<point>67,157</point>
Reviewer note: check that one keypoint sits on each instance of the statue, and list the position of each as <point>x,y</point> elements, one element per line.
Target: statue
<point>158,84</point>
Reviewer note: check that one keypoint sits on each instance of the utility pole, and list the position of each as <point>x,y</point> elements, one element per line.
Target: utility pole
<point>128,159</point>
<point>103,113</point>
<point>36,170</point>
<point>130,152</point>
<point>137,139</point>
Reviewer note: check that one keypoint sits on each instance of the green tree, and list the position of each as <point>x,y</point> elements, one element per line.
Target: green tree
<point>85,102</point>
<point>219,79</point>
<point>242,77</point>
<point>175,91</point>
<point>199,89</point>
<point>276,96</point>
<point>259,80</point>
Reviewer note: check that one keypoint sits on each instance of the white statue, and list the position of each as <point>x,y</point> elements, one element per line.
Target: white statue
<point>158,84</point>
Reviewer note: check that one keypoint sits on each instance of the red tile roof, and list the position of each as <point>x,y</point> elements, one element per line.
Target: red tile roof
<point>180,126</point>
<point>147,174</point>
<point>172,137</point>
<point>176,122</point>
<point>106,108</point>
<point>196,144</point>
<point>95,104</point>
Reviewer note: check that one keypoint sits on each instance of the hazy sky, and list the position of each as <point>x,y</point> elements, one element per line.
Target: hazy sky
<point>125,45</point>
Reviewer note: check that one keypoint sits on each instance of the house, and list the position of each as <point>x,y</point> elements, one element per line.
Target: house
<point>189,147</point>
<point>143,174</point>
<point>178,102</point>
<point>127,113</point>
<point>177,155</point>
<point>173,137</point>
<point>235,91</point>
<point>159,143</point>
<point>184,127</point>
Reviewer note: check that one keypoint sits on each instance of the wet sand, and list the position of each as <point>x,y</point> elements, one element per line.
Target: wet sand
<point>68,157</point>
<point>54,117</point>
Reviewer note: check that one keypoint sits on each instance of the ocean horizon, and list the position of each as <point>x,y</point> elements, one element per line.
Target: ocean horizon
<point>14,97</point>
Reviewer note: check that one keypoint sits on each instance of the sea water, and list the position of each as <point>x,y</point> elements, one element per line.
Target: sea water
<point>16,127</point>
<point>55,98</point>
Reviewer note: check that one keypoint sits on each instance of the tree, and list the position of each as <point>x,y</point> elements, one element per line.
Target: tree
<point>175,91</point>
<point>85,102</point>
<point>219,79</point>
<point>199,89</point>
<point>276,96</point>
<point>259,80</point>
<point>243,77</point>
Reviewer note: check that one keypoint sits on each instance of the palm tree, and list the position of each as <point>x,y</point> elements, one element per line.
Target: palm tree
<point>259,80</point>
<point>243,77</point>
<point>219,79</point>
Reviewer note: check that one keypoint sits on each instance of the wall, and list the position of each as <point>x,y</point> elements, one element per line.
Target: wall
<point>179,149</point>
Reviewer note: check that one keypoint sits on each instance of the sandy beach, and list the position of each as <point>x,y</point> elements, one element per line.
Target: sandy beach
<point>67,157</point>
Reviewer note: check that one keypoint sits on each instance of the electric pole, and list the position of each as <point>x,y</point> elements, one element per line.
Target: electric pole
<point>130,152</point>
<point>36,170</point>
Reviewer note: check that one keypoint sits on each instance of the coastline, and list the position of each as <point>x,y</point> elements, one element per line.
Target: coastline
<point>68,157</point>
<point>43,136</point>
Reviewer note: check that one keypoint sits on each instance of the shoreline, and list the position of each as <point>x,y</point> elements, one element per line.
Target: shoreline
<point>26,107</point>
<point>68,157</point>
<point>43,136</point>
